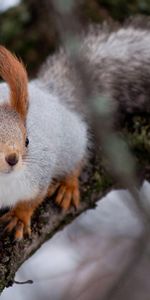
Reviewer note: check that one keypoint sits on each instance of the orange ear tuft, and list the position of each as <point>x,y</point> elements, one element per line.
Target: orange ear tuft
<point>14,73</point>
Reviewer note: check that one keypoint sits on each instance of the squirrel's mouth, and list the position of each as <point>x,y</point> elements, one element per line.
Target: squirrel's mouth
<point>7,171</point>
<point>10,170</point>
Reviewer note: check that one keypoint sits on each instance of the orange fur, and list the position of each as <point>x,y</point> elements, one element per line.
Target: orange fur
<point>19,217</point>
<point>14,73</point>
<point>68,191</point>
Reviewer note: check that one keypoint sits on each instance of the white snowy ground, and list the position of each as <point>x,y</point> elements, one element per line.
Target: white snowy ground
<point>84,260</point>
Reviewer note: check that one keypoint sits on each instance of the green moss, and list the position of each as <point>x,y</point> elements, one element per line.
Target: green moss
<point>138,137</point>
<point>101,181</point>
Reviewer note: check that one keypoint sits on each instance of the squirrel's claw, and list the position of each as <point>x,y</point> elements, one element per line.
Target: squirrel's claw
<point>68,195</point>
<point>17,224</point>
<point>67,192</point>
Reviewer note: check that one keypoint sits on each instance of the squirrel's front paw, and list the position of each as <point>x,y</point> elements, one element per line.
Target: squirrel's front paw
<point>17,221</point>
<point>67,192</point>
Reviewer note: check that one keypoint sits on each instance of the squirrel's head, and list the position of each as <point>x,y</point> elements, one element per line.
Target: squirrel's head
<point>13,136</point>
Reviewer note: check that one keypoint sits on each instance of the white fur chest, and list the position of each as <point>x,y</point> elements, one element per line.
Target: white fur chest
<point>15,187</point>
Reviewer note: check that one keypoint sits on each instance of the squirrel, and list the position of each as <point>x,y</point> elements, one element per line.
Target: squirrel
<point>43,135</point>
<point>40,140</point>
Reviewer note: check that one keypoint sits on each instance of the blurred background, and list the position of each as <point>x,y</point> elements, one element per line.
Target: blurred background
<point>93,258</point>
<point>29,29</point>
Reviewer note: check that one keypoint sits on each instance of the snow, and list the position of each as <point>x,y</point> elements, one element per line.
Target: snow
<point>98,243</point>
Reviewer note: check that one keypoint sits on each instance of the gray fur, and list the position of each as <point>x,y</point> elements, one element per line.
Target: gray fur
<point>118,64</point>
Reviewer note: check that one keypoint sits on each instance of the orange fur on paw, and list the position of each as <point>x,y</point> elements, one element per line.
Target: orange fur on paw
<point>67,192</point>
<point>17,220</point>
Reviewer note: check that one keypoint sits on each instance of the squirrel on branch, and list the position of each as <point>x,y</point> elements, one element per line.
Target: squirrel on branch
<point>40,140</point>
<point>43,135</point>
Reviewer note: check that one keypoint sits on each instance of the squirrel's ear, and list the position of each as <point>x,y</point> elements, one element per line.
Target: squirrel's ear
<point>14,73</point>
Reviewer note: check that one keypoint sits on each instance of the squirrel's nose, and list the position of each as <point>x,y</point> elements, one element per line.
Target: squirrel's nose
<point>12,159</point>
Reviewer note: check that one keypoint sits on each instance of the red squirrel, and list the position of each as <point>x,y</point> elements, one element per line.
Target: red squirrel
<point>40,140</point>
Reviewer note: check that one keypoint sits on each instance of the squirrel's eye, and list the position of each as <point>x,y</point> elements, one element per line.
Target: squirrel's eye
<point>27,142</point>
